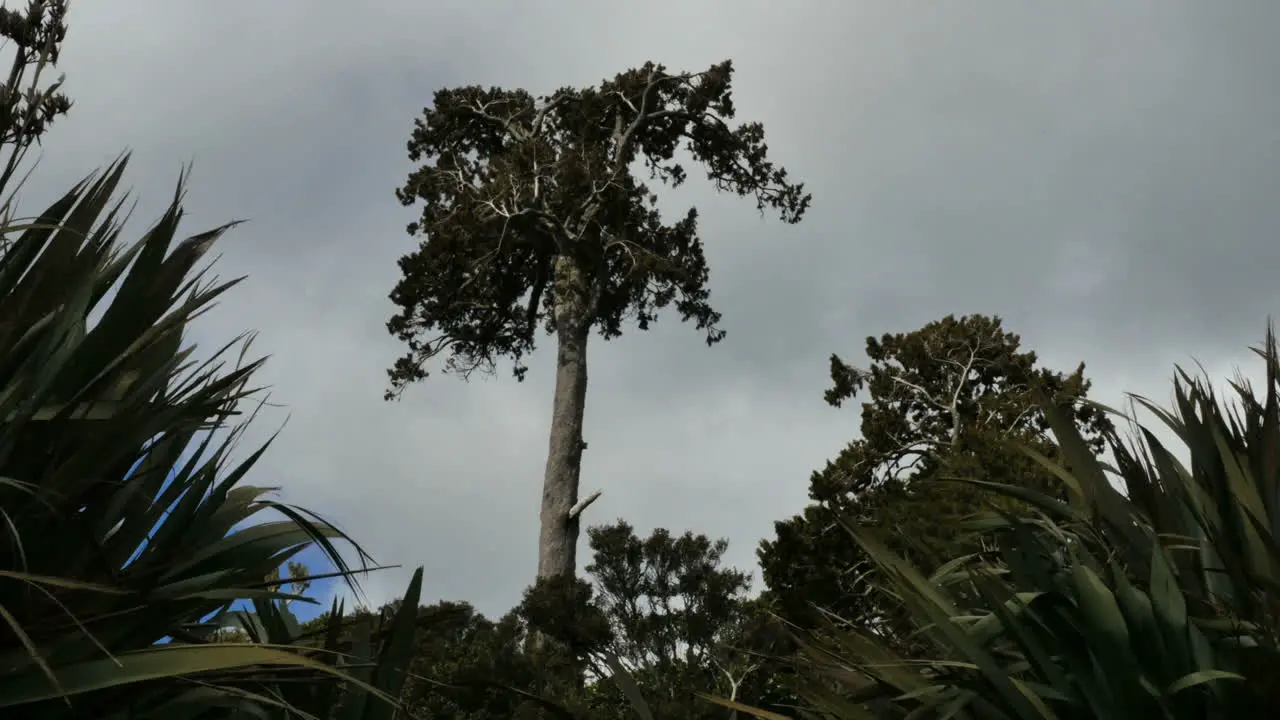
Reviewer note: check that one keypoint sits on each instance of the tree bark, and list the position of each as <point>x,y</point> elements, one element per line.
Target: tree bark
<point>558,537</point>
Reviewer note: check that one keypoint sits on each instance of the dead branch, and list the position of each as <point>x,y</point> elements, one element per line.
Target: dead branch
<point>583,504</point>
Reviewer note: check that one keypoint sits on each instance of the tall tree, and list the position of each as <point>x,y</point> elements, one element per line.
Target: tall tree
<point>533,217</point>
<point>943,401</point>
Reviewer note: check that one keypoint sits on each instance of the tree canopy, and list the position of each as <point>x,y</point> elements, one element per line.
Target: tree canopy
<point>953,399</point>
<point>683,623</point>
<point>512,183</point>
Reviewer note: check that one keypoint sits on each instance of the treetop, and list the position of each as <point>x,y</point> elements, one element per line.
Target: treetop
<point>532,206</point>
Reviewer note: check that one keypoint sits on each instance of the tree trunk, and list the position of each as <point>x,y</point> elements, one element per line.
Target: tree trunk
<point>558,538</point>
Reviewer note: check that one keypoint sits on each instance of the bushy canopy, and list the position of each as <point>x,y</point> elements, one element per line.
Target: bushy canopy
<point>952,399</point>
<point>511,183</point>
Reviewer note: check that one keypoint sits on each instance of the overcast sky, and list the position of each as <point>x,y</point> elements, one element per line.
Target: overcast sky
<point>1102,174</point>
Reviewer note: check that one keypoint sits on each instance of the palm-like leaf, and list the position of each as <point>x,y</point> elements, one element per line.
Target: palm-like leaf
<point>369,657</point>
<point>122,521</point>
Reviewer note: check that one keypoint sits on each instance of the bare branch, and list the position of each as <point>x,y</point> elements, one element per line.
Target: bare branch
<point>583,504</point>
<point>961,381</point>
<point>622,140</point>
<point>924,394</point>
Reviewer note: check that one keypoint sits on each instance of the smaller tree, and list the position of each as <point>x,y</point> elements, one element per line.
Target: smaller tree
<point>468,667</point>
<point>952,399</point>
<point>1095,608</point>
<point>681,622</point>
<point>664,606</point>
<point>463,666</point>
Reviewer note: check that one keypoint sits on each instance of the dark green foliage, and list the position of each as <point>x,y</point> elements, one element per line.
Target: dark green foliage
<point>565,609</point>
<point>948,400</point>
<point>530,205</point>
<point>682,623</point>
<point>668,596</point>
<point>1155,601</point>
<point>663,607</point>
<point>465,666</point>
